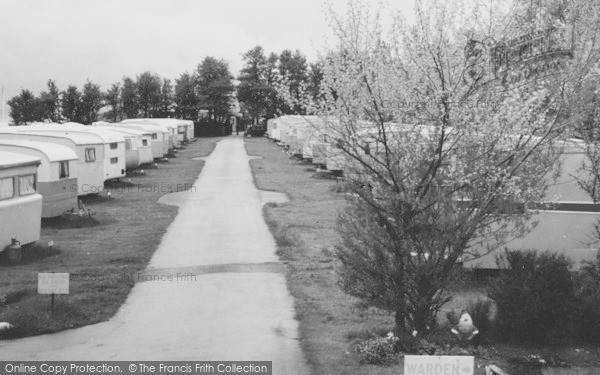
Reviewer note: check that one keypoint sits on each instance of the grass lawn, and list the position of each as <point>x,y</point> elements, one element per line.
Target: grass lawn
<point>331,322</point>
<point>106,253</point>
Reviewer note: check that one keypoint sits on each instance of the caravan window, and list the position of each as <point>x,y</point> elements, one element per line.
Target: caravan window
<point>27,184</point>
<point>113,146</point>
<point>90,154</point>
<point>63,169</point>
<point>145,142</point>
<point>7,188</point>
<point>114,160</point>
<point>128,144</point>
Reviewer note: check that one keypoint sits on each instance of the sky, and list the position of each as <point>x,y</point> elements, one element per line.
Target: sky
<point>72,41</point>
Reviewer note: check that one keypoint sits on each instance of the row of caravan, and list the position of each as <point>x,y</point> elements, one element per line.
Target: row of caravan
<point>312,138</point>
<point>44,168</point>
<point>308,137</point>
<point>567,226</point>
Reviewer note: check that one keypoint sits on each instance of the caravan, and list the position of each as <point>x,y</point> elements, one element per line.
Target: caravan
<point>56,178</point>
<point>185,130</point>
<point>113,144</point>
<point>159,135</point>
<point>20,203</point>
<point>190,129</point>
<point>171,128</point>
<point>271,126</point>
<point>89,167</point>
<point>138,144</point>
<point>566,225</point>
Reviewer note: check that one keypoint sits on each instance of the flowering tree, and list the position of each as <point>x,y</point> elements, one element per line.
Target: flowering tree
<point>450,128</point>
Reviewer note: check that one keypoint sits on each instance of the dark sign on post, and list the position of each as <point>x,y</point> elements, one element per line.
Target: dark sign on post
<point>533,55</point>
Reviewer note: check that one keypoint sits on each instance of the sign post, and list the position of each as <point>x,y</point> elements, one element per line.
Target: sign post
<point>53,283</point>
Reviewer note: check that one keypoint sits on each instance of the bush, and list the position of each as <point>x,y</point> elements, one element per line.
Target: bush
<point>534,295</point>
<point>378,350</point>
<point>587,322</point>
<point>482,313</point>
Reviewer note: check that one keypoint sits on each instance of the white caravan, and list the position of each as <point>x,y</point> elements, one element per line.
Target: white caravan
<point>172,128</point>
<point>89,168</point>
<point>56,179</point>
<point>159,135</point>
<point>113,143</point>
<point>20,204</point>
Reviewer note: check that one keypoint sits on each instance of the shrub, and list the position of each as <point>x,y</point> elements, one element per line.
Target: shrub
<point>378,350</point>
<point>340,187</point>
<point>482,313</point>
<point>534,295</point>
<point>587,322</point>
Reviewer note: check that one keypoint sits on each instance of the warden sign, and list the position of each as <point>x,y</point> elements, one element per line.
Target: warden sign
<point>53,283</point>
<point>438,365</point>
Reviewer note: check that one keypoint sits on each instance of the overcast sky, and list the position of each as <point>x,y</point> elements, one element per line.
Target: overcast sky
<point>71,41</point>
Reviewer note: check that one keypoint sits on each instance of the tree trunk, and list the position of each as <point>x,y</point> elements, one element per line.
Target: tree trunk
<point>400,320</point>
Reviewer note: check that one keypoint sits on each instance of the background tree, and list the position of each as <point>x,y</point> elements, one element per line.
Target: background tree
<point>148,94</point>
<point>315,77</point>
<point>166,99</point>
<point>457,173</point>
<point>214,87</point>
<point>186,100</point>
<point>112,98</point>
<point>273,101</point>
<point>129,98</point>
<point>293,69</point>
<point>91,102</point>
<point>48,104</point>
<point>22,107</point>
<point>254,89</point>
<point>71,104</point>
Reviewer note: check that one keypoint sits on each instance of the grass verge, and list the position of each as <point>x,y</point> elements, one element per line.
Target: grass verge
<point>104,258</point>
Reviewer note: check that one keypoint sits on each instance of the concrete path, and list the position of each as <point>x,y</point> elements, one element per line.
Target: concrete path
<point>216,289</point>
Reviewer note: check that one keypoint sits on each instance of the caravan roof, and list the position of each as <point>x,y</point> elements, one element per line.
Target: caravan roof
<point>127,130</point>
<point>54,152</point>
<point>151,127</point>
<point>81,138</point>
<point>173,121</point>
<point>13,160</point>
<point>106,135</point>
<point>151,121</point>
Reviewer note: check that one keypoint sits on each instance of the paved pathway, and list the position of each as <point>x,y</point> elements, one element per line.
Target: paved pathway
<point>223,297</point>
